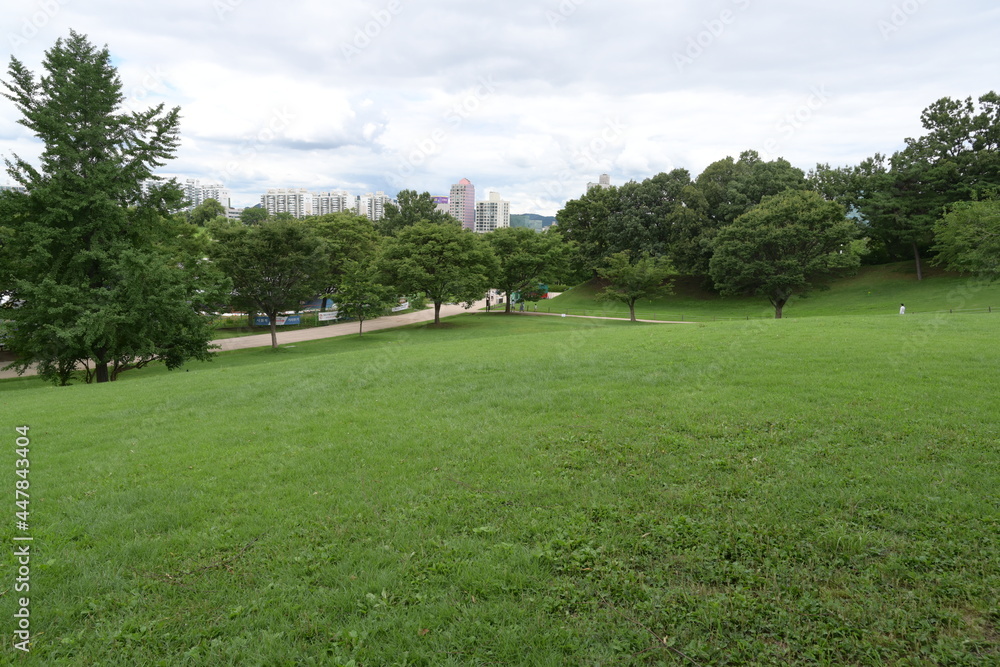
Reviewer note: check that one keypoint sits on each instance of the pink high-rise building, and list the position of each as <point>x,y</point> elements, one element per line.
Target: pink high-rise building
<point>462,203</point>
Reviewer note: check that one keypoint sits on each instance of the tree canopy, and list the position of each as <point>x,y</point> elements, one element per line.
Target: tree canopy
<point>442,260</point>
<point>968,238</point>
<point>629,278</point>
<point>525,258</point>
<point>791,243</point>
<point>274,266</point>
<point>411,209</point>
<point>87,253</point>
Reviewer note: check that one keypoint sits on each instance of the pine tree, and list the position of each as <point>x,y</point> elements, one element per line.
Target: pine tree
<point>87,254</point>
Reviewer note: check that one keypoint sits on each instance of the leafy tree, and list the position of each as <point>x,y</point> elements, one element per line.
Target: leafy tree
<point>968,238</point>
<point>411,209</point>
<point>445,261</point>
<point>206,212</point>
<point>662,215</point>
<point>731,188</point>
<point>630,278</point>
<point>957,159</point>
<point>789,244</point>
<point>525,258</point>
<point>86,253</point>
<point>348,238</point>
<point>584,222</point>
<point>274,266</point>
<point>360,295</point>
<point>253,215</point>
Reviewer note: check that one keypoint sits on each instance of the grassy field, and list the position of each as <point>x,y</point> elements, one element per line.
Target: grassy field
<point>874,290</point>
<point>525,490</point>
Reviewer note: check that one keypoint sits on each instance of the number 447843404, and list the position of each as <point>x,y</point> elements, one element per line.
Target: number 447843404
<point>22,467</point>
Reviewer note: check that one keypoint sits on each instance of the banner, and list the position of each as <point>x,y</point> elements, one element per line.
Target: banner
<point>328,316</point>
<point>402,306</point>
<point>283,320</point>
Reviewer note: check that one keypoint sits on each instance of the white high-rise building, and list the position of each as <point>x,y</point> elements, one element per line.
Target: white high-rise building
<point>335,201</point>
<point>195,193</point>
<point>491,214</point>
<point>372,206</point>
<point>297,201</point>
<point>603,182</point>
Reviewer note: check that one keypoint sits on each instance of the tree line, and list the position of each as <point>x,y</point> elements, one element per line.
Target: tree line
<point>98,271</point>
<point>766,228</point>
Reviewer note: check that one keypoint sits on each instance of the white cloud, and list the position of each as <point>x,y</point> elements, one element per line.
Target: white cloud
<point>389,94</point>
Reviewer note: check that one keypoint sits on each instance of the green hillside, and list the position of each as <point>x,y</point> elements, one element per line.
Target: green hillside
<point>525,490</point>
<point>874,290</point>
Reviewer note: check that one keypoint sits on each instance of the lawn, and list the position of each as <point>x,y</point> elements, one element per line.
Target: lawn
<point>526,490</point>
<point>873,290</point>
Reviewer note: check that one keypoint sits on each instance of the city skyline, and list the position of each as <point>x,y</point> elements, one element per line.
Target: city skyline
<point>378,96</point>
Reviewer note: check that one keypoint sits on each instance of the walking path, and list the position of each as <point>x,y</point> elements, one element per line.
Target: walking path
<point>315,333</point>
<point>348,328</point>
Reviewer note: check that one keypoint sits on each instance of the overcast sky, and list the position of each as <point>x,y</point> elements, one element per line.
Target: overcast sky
<point>529,98</point>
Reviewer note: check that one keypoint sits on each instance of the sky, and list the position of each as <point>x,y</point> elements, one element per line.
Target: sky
<point>530,99</point>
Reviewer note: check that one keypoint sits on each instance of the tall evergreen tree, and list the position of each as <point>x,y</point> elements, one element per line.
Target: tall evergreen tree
<point>83,254</point>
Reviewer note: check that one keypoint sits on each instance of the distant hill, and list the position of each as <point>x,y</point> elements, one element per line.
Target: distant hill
<point>532,220</point>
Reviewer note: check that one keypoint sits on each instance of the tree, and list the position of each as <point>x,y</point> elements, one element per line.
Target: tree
<point>731,188</point>
<point>525,258</point>
<point>789,244</point>
<point>968,238</point>
<point>957,159</point>
<point>360,295</point>
<point>348,238</point>
<point>630,278</point>
<point>411,209</point>
<point>253,215</point>
<point>584,222</point>
<point>84,252</point>
<point>442,260</point>
<point>274,266</point>
<point>206,212</point>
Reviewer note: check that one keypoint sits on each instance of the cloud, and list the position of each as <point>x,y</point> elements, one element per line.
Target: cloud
<point>390,94</point>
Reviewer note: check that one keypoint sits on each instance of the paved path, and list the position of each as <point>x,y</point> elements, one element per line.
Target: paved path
<point>316,333</point>
<point>599,317</point>
<point>348,328</point>
<point>342,329</point>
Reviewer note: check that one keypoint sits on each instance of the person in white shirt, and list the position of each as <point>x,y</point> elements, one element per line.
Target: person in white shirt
<point>902,309</point>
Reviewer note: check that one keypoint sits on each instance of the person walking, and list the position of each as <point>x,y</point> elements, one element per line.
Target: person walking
<point>902,309</point>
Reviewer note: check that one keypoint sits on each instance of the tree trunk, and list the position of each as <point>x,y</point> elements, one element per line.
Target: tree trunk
<point>631,310</point>
<point>361,324</point>
<point>273,317</point>
<point>250,317</point>
<point>437,312</point>
<point>916,256</point>
<point>506,303</point>
<point>101,371</point>
<point>778,305</point>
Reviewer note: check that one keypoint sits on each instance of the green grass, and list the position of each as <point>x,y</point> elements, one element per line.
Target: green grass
<point>874,290</point>
<point>526,490</point>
